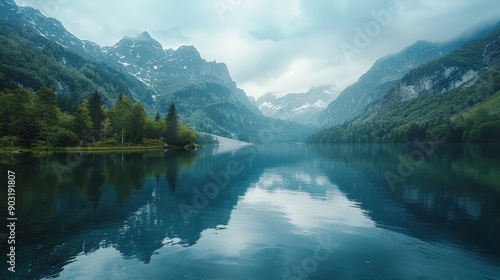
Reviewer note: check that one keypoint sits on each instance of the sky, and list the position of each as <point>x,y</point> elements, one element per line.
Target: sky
<point>280,45</point>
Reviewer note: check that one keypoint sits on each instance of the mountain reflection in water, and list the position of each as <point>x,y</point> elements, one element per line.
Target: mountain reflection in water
<point>255,212</point>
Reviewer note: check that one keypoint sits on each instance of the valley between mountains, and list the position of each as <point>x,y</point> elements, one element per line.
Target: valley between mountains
<point>49,77</point>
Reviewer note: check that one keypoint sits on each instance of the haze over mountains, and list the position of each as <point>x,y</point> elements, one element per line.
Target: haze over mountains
<point>208,99</point>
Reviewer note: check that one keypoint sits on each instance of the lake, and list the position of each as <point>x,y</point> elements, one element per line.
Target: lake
<point>292,211</point>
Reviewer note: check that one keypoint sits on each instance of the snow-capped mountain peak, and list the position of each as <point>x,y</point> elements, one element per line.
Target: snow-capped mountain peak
<point>297,107</point>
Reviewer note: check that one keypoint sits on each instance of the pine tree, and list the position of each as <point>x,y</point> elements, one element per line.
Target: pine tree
<point>172,123</point>
<point>46,109</point>
<point>96,114</point>
<point>46,106</point>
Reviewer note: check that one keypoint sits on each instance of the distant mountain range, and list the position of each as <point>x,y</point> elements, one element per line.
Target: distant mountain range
<point>352,102</point>
<point>297,107</point>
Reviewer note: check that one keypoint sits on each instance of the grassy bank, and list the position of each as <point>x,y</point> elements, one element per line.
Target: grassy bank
<point>107,146</point>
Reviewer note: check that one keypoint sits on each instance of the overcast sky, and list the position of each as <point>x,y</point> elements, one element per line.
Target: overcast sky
<point>278,45</point>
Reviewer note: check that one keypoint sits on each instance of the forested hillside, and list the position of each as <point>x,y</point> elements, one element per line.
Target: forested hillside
<point>456,95</point>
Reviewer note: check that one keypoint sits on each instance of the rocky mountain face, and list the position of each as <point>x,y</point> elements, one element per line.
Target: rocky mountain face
<point>383,76</point>
<point>470,65</point>
<point>441,80</point>
<point>297,107</point>
<point>144,58</point>
<point>167,71</point>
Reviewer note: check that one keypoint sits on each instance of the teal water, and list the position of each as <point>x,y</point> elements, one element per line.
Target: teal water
<point>259,212</point>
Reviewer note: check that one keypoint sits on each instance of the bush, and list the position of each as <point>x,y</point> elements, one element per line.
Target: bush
<point>8,141</point>
<point>62,137</point>
<point>184,136</point>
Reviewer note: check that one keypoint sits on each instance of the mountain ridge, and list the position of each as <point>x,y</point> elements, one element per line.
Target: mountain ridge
<point>386,73</point>
<point>453,98</point>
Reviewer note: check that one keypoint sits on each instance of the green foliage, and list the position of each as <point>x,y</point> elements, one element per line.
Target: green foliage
<point>28,118</point>
<point>120,116</point>
<point>107,129</point>
<point>17,114</point>
<point>136,123</point>
<point>82,124</point>
<point>8,141</point>
<point>175,133</point>
<point>46,111</point>
<point>154,129</point>
<point>184,136</point>
<point>61,137</point>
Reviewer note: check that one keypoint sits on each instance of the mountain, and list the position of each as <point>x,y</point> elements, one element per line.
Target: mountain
<point>207,99</point>
<point>204,92</point>
<point>35,54</point>
<point>169,70</point>
<point>297,107</point>
<point>385,74</point>
<point>52,29</point>
<point>453,98</point>
<point>471,71</point>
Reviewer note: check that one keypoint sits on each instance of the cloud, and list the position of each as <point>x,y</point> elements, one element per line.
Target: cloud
<point>282,45</point>
<point>174,35</point>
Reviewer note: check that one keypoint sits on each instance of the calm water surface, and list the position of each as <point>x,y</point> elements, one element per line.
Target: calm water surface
<point>259,212</point>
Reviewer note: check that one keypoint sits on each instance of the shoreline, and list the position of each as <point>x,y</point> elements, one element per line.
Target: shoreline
<point>17,150</point>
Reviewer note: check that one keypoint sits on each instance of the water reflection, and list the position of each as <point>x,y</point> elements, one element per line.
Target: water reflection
<point>445,199</point>
<point>118,216</point>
